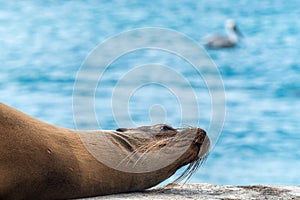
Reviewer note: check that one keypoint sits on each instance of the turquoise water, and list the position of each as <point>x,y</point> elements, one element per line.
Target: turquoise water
<point>43,44</point>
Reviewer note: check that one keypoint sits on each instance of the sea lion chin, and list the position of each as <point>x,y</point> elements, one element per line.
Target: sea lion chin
<point>42,161</point>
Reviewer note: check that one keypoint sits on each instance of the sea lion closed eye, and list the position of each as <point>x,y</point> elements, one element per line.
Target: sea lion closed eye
<point>42,161</point>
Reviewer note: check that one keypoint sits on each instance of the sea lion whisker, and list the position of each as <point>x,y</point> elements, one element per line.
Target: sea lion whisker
<point>199,163</point>
<point>166,140</point>
<point>143,155</point>
<point>158,143</point>
<point>193,170</point>
<point>190,170</point>
<point>185,173</point>
<point>130,156</point>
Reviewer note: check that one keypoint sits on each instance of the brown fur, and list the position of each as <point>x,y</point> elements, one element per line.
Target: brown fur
<point>42,161</point>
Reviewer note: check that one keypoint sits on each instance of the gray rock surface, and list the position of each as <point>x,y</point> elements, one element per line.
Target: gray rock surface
<point>211,192</point>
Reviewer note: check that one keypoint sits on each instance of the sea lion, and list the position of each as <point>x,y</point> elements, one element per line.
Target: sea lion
<point>42,161</point>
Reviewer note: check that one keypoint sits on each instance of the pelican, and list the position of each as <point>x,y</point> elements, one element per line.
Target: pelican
<point>219,41</point>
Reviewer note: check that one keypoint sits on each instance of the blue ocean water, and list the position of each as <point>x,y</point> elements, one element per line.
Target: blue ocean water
<point>43,45</point>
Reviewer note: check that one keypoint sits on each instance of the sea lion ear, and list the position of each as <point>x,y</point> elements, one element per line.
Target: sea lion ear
<point>121,129</point>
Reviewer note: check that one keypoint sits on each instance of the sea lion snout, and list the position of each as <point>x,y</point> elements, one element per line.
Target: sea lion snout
<point>203,142</point>
<point>201,137</point>
<point>198,140</point>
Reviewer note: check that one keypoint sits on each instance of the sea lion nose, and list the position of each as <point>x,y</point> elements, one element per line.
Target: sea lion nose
<point>200,136</point>
<point>203,142</point>
<point>201,131</point>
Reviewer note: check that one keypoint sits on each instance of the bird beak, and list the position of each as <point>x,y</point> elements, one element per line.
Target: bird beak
<point>238,32</point>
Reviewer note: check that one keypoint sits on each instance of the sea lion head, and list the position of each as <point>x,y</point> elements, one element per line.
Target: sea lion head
<point>162,135</point>
<point>150,148</point>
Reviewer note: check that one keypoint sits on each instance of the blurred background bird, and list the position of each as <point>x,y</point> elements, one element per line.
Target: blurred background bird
<point>219,41</point>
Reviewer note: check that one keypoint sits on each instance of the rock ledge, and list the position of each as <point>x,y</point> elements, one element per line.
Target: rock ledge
<point>208,191</point>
